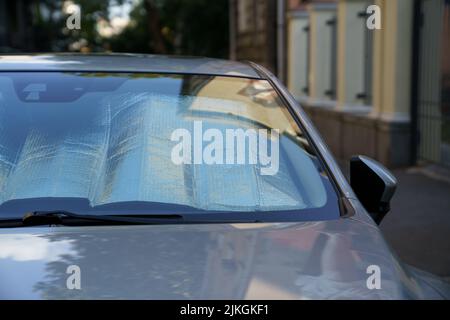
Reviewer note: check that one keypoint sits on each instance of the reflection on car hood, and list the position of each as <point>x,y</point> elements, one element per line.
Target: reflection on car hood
<point>309,260</point>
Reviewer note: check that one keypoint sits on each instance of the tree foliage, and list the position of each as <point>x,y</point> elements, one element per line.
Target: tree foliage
<point>188,27</point>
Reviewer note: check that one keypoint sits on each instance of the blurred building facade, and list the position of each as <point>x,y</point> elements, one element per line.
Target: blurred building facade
<point>383,93</point>
<point>253,31</point>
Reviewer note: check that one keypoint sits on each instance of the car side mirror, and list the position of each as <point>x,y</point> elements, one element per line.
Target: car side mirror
<point>373,184</point>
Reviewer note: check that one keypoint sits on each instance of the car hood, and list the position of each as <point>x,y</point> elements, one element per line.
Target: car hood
<point>309,260</point>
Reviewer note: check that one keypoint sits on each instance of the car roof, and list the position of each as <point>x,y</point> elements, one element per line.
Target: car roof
<point>126,63</point>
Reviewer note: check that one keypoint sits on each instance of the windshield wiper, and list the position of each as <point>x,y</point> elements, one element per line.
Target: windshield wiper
<point>66,218</point>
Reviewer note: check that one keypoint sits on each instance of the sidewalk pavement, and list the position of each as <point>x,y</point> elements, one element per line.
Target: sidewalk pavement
<point>418,226</point>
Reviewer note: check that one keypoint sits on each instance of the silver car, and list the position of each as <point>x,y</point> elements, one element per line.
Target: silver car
<point>154,177</point>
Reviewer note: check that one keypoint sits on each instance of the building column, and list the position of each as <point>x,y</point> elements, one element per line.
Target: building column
<point>392,81</point>
<point>320,51</point>
<point>351,53</point>
<point>392,61</point>
<point>297,71</point>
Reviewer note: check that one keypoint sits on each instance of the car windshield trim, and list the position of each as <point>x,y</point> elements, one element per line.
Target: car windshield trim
<point>15,210</point>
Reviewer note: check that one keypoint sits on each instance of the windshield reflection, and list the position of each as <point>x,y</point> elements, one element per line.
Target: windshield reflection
<point>109,141</point>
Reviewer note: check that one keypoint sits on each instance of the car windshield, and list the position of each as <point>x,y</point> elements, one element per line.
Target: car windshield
<point>209,143</point>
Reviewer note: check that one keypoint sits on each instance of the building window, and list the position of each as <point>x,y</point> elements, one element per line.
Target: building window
<point>308,45</point>
<point>331,91</point>
<point>366,94</point>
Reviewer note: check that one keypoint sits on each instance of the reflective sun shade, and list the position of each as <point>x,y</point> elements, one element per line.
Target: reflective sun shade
<point>111,138</point>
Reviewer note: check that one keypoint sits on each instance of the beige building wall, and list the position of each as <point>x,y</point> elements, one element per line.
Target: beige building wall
<point>382,129</point>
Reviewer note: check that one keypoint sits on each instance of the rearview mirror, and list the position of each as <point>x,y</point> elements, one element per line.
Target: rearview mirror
<point>373,184</point>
